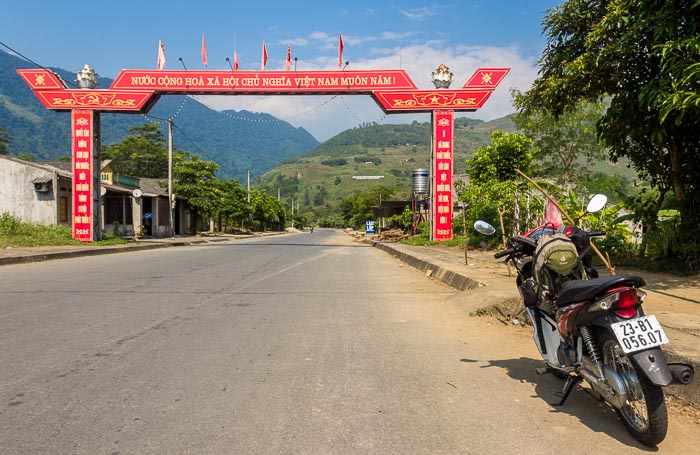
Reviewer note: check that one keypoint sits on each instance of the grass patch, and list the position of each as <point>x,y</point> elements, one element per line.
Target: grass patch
<point>17,234</point>
<point>420,240</point>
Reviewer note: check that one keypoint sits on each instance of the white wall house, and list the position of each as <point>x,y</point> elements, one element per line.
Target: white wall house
<point>34,192</point>
<point>41,193</point>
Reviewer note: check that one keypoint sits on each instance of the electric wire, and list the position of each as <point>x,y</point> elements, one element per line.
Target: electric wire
<point>33,62</point>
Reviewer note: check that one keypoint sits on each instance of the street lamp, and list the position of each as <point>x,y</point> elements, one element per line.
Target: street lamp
<point>87,77</point>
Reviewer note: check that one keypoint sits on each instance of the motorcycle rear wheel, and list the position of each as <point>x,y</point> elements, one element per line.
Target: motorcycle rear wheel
<point>644,415</point>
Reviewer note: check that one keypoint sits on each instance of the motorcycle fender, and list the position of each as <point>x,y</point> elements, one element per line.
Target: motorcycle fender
<point>652,363</point>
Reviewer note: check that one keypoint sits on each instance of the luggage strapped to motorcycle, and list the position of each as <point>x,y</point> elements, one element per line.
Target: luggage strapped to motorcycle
<point>555,258</point>
<point>557,252</point>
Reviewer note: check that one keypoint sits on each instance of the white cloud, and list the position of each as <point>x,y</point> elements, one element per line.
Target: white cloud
<point>419,14</point>
<point>326,116</point>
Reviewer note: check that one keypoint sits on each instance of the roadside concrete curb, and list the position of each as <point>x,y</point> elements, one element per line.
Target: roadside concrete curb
<point>503,302</point>
<point>452,279</point>
<point>87,251</point>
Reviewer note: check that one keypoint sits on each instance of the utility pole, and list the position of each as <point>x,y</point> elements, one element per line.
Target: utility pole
<point>250,216</point>
<point>171,195</point>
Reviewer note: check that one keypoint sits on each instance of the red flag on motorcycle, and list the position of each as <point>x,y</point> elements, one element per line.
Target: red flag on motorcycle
<point>552,215</point>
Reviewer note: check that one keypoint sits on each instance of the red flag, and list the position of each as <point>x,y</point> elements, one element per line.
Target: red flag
<point>161,55</point>
<point>288,63</point>
<point>340,51</point>
<point>204,51</point>
<point>235,61</point>
<point>263,61</point>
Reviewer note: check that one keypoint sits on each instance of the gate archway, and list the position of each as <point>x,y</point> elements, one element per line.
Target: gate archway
<point>137,91</point>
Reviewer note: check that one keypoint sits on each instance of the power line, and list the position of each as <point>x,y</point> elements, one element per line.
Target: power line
<point>32,61</point>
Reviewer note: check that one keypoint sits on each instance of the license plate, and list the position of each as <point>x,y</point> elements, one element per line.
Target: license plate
<point>639,333</point>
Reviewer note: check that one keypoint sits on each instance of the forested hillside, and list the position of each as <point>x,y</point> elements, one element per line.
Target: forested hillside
<point>319,180</point>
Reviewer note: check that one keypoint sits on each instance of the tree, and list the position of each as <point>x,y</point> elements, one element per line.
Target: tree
<point>498,161</point>
<point>635,54</point>
<point>357,207</point>
<point>234,200</point>
<point>267,210</point>
<point>564,146</point>
<point>4,141</point>
<point>144,153</point>
<point>196,180</point>
<point>493,180</point>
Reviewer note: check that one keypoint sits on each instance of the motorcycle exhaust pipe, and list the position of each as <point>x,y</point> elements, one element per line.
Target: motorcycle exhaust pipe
<point>683,373</point>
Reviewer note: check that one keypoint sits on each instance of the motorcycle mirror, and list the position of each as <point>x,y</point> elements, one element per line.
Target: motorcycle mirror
<point>482,227</point>
<point>597,203</point>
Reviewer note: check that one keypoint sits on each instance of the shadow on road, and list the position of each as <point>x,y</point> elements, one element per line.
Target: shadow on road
<point>595,414</point>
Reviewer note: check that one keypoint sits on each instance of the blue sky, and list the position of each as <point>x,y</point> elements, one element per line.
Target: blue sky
<point>411,35</point>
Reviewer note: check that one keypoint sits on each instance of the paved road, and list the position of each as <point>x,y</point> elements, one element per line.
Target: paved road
<point>306,343</point>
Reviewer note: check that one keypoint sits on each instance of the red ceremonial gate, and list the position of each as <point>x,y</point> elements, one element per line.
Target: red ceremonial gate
<point>136,91</point>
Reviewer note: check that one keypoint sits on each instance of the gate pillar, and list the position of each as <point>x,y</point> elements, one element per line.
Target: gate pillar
<point>85,144</point>
<point>442,160</point>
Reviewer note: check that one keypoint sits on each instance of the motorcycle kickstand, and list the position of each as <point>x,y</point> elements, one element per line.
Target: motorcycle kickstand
<point>569,385</point>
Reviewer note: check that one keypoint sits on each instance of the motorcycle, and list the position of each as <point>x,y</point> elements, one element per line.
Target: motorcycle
<point>593,329</point>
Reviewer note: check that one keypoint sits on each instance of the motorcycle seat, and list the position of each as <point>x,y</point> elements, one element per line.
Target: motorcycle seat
<point>579,290</point>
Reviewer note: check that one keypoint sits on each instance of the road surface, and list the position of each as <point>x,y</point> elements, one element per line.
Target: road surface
<point>296,344</point>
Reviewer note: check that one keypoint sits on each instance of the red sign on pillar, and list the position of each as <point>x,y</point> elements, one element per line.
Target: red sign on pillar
<point>82,127</point>
<point>443,159</point>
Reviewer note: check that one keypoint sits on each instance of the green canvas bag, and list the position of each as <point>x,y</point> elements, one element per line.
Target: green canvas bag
<point>557,252</point>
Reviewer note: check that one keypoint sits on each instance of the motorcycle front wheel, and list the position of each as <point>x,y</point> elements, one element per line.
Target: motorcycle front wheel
<point>644,415</point>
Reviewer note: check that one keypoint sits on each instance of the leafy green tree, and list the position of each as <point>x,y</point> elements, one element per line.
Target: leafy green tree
<point>4,141</point>
<point>196,180</point>
<point>493,180</point>
<point>678,94</point>
<point>234,204</point>
<point>642,57</point>
<point>357,207</point>
<point>564,145</point>
<point>144,153</point>
<point>267,210</point>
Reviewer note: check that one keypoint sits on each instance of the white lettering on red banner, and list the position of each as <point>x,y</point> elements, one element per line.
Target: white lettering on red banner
<point>81,126</point>
<point>443,153</point>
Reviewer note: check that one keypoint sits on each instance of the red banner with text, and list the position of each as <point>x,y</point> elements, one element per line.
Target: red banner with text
<point>82,127</point>
<point>443,159</point>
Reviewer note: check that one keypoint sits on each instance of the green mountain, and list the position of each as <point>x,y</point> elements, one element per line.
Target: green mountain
<point>238,140</point>
<point>320,179</point>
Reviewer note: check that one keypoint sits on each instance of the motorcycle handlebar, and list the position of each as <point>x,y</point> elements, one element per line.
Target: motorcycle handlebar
<point>503,253</point>
<point>596,234</point>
